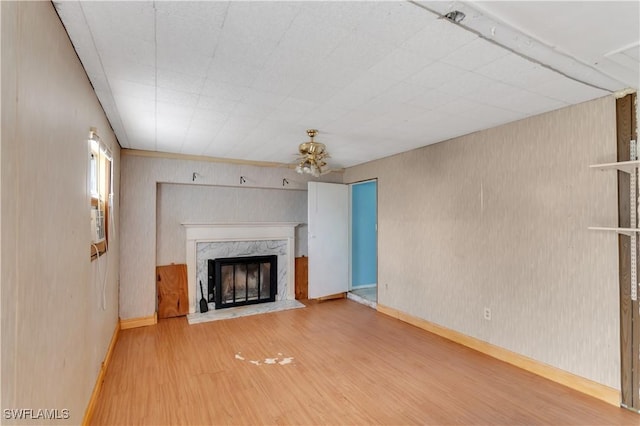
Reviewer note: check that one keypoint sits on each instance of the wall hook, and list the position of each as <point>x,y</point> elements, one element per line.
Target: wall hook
<point>242,180</point>
<point>193,178</point>
<point>285,182</point>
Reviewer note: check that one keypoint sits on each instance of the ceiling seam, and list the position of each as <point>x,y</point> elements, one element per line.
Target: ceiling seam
<point>623,48</point>
<point>522,55</point>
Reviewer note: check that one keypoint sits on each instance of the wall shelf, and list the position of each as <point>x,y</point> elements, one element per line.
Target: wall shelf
<point>627,167</point>
<point>625,231</point>
<point>623,166</point>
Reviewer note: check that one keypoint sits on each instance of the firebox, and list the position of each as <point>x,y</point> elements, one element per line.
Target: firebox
<point>238,281</point>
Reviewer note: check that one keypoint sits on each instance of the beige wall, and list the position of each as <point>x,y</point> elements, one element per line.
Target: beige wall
<point>140,178</point>
<point>178,204</point>
<point>55,333</point>
<point>499,219</point>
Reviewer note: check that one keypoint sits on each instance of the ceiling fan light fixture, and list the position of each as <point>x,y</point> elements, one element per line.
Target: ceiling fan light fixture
<point>312,156</point>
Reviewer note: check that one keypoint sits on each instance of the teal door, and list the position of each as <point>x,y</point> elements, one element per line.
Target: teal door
<point>364,234</point>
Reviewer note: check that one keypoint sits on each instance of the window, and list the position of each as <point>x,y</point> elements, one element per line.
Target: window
<point>100,189</point>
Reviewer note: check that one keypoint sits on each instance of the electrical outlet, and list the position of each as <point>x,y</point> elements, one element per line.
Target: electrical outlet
<point>487,313</point>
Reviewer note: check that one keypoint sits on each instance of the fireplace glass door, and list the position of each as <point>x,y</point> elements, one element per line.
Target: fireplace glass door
<point>244,280</point>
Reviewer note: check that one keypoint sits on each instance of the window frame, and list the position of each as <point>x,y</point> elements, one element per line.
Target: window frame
<point>100,190</point>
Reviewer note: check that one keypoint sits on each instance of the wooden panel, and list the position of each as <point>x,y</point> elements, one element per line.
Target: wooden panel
<point>332,297</point>
<point>173,299</point>
<point>350,365</point>
<point>126,324</point>
<point>302,278</point>
<point>625,118</point>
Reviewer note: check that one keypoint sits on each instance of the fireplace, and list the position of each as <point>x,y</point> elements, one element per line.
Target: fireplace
<point>223,240</point>
<point>247,280</point>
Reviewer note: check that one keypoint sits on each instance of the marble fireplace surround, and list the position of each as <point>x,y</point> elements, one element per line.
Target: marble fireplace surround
<point>197,233</point>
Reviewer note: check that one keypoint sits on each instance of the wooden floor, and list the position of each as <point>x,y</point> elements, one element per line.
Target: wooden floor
<point>351,365</point>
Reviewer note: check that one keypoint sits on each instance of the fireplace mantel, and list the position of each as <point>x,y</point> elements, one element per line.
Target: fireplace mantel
<point>237,231</point>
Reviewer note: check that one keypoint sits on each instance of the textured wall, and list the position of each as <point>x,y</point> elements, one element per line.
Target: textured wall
<point>499,219</point>
<point>207,204</point>
<point>55,333</point>
<point>140,178</point>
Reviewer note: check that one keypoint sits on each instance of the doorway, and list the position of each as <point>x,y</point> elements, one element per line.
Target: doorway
<point>364,241</point>
<point>343,241</point>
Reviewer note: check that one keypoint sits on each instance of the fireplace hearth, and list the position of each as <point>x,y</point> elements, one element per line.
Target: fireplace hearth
<point>247,280</point>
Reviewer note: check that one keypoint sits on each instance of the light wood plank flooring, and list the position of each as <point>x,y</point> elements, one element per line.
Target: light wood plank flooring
<point>351,365</point>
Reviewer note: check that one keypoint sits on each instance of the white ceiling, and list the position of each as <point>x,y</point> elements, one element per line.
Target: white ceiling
<point>244,80</point>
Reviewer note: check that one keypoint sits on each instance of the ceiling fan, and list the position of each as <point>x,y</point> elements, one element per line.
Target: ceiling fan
<point>312,156</point>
